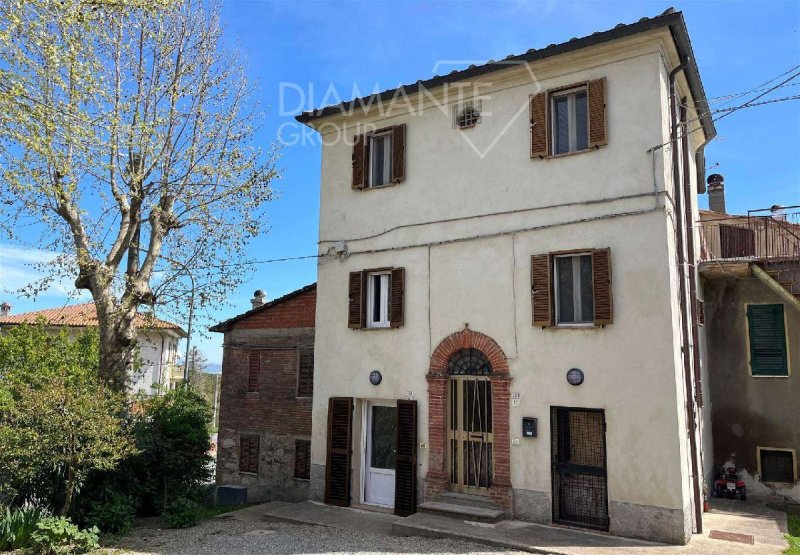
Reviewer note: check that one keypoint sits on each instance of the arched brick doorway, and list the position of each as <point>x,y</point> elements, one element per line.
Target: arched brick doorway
<point>438,478</point>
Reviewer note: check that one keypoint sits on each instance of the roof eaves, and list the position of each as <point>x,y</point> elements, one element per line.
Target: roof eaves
<point>227,324</point>
<point>669,18</point>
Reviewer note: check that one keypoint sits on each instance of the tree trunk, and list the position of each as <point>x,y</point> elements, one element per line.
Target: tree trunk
<point>117,341</point>
<point>69,492</point>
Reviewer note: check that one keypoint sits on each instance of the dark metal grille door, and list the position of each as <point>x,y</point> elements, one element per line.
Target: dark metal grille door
<point>580,491</point>
<point>470,434</point>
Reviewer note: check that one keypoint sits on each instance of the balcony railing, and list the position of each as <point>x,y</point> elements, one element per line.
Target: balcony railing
<point>757,236</point>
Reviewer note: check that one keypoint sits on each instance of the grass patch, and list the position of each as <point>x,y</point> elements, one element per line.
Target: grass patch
<point>793,537</point>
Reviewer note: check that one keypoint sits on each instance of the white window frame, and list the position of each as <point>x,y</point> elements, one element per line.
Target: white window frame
<point>572,129</point>
<point>577,309</point>
<point>387,158</point>
<point>383,322</point>
<point>759,449</point>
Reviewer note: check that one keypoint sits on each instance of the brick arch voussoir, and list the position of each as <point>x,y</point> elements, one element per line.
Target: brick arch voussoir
<point>468,339</point>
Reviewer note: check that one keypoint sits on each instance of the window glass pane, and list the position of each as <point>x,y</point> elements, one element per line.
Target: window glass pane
<point>377,154</point>
<point>587,293</point>
<point>376,298</point>
<point>383,437</point>
<point>581,122</point>
<point>565,297</point>
<point>561,117</point>
<point>387,159</point>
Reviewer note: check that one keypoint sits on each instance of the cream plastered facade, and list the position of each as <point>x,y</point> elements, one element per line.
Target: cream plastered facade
<point>158,354</point>
<point>466,266</point>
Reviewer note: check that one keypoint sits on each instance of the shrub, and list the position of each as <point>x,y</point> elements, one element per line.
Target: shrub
<point>172,436</point>
<point>59,536</point>
<point>113,515</point>
<point>57,420</point>
<point>17,525</point>
<point>181,513</point>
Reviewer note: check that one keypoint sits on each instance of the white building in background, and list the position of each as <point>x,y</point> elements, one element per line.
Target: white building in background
<point>474,229</point>
<point>158,341</point>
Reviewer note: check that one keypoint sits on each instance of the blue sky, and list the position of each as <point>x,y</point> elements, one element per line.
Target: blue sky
<point>314,45</point>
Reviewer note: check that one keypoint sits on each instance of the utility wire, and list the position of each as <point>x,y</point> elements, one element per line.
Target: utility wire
<point>727,111</point>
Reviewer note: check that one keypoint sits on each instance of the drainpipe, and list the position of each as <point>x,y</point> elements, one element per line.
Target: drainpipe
<point>685,324</point>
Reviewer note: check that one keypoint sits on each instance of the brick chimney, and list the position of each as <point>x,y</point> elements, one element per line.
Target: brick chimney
<point>259,298</point>
<point>716,193</point>
<point>5,308</point>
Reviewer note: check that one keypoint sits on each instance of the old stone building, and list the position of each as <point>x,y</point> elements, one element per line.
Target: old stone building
<point>265,404</point>
<point>750,273</point>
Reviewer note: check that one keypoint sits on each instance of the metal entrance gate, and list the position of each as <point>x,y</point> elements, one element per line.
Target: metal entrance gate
<point>470,434</point>
<point>470,438</point>
<point>580,492</point>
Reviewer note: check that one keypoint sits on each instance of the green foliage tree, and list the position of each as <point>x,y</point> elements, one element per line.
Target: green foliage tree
<point>56,412</point>
<point>128,137</point>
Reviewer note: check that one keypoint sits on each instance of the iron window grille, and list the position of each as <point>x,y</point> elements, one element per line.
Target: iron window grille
<point>469,362</point>
<point>467,114</point>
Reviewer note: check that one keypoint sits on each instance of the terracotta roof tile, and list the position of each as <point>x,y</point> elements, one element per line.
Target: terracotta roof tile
<point>83,315</point>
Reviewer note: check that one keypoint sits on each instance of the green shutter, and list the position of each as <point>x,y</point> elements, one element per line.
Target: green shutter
<point>767,340</point>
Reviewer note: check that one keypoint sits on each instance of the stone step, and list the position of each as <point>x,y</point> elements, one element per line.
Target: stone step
<point>466,499</point>
<point>462,512</point>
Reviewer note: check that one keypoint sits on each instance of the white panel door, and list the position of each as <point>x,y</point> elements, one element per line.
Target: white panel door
<point>380,453</point>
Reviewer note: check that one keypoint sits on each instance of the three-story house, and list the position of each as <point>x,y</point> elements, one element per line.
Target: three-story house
<point>506,317</point>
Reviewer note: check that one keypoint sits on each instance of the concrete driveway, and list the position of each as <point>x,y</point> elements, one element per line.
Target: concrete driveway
<point>305,528</point>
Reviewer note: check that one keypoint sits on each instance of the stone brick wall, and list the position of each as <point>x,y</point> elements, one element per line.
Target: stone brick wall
<point>274,412</point>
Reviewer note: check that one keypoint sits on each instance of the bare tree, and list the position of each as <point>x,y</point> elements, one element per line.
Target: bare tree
<point>127,133</point>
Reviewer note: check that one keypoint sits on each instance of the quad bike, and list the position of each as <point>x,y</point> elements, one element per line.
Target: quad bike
<point>729,485</point>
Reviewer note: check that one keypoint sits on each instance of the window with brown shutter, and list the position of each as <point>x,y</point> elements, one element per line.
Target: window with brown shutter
<point>568,119</point>
<point>379,158</point>
<point>249,446</point>
<point>302,459</point>
<point>253,371</point>
<point>305,373</point>
<point>571,288</point>
<point>338,462</point>
<point>376,298</point>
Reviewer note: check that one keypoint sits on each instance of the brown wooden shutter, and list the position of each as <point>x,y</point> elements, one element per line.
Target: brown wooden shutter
<point>337,468</point>
<point>248,453</point>
<point>360,161</point>
<point>355,307</point>
<point>601,278</point>
<point>405,481</point>
<point>397,298</point>
<point>597,113</point>
<point>302,459</point>
<point>253,371</point>
<point>539,130</point>
<point>305,373</point>
<point>541,286</point>
<point>398,153</point>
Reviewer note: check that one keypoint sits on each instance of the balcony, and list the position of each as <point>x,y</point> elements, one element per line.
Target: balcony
<point>761,236</point>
